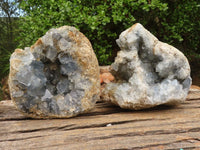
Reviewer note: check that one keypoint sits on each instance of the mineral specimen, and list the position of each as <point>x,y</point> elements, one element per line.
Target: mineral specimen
<point>57,77</point>
<point>147,72</point>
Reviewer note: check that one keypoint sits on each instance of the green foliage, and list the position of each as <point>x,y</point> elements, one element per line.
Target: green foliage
<point>8,32</point>
<point>4,66</point>
<point>7,45</point>
<point>179,26</point>
<point>100,20</point>
<point>173,21</point>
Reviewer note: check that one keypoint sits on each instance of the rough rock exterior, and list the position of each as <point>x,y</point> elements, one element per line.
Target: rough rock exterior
<point>148,72</point>
<point>57,77</point>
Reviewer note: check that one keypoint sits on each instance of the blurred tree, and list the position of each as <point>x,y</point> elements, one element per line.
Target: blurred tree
<point>9,14</point>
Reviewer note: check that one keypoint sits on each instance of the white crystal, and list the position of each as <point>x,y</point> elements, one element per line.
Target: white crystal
<point>148,72</point>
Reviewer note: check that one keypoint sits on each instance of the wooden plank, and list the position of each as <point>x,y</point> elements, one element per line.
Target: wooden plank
<point>106,127</point>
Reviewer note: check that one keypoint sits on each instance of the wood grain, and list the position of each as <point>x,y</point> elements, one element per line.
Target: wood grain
<point>106,127</point>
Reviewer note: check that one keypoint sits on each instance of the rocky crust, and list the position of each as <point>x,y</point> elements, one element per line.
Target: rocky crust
<point>147,72</point>
<point>57,77</point>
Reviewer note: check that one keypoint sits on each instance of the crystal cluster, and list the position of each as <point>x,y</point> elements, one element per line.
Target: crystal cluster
<point>56,77</point>
<point>147,72</point>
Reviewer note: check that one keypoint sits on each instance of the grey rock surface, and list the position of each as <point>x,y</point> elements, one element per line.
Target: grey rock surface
<point>147,72</point>
<point>57,77</point>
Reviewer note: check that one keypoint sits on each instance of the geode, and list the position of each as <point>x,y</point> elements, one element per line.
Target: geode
<point>147,72</point>
<point>57,77</point>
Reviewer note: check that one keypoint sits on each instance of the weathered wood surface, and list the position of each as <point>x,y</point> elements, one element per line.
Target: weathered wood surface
<point>106,127</point>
